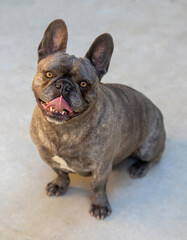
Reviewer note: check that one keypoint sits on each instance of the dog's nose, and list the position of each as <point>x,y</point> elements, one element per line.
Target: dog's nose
<point>64,86</point>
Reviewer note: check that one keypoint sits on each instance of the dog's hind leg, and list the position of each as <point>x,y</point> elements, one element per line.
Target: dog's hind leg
<point>148,154</point>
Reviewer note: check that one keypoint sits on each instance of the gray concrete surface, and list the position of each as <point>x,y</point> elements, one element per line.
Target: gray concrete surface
<point>150,55</point>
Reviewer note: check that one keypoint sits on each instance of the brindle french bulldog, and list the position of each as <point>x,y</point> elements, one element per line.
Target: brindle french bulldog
<point>83,126</point>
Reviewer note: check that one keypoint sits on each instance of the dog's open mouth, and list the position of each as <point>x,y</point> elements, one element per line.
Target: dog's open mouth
<point>57,108</point>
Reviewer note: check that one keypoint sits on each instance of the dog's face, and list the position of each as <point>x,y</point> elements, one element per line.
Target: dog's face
<point>65,86</point>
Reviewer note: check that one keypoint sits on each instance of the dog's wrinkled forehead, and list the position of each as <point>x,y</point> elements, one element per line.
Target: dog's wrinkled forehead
<point>60,63</point>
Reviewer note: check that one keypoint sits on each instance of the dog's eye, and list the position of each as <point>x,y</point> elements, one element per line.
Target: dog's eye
<point>83,84</point>
<point>49,74</point>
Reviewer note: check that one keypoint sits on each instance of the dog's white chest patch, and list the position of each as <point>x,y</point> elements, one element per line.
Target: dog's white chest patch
<point>62,163</point>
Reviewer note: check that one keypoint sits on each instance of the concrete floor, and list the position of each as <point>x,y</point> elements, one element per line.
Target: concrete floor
<point>150,55</point>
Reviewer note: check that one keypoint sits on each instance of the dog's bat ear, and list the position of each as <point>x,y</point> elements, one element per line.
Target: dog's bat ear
<point>100,53</point>
<point>54,39</point>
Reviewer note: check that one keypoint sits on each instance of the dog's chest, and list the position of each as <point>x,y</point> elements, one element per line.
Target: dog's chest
<point>62,163</point>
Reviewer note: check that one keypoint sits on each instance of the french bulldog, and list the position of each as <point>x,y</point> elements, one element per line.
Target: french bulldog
<point>83,126</point>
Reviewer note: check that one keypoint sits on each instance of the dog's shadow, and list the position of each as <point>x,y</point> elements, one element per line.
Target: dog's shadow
<point>119,179</point>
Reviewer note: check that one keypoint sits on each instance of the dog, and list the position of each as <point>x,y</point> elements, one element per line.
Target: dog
<point>83,126</point>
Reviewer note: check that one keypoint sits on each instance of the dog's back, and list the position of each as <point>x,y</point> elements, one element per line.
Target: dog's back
<point>136,120</point>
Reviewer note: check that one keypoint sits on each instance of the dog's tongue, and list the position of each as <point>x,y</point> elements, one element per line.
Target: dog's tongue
<point>59,104</point>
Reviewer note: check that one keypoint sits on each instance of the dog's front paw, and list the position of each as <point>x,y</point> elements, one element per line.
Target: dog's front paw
<point>53,189</point>
<point>100,211</point>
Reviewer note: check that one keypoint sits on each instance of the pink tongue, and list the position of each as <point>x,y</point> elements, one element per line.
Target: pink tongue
<point>59,104</point>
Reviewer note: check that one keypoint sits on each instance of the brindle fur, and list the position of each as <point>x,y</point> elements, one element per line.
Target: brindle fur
<point>116,121</point>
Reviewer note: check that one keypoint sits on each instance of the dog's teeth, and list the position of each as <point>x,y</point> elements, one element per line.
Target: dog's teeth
<point>63,112</point>
<point>51,109</point>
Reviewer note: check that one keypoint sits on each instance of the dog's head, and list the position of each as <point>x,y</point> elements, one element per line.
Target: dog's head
<point>64,85</point>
